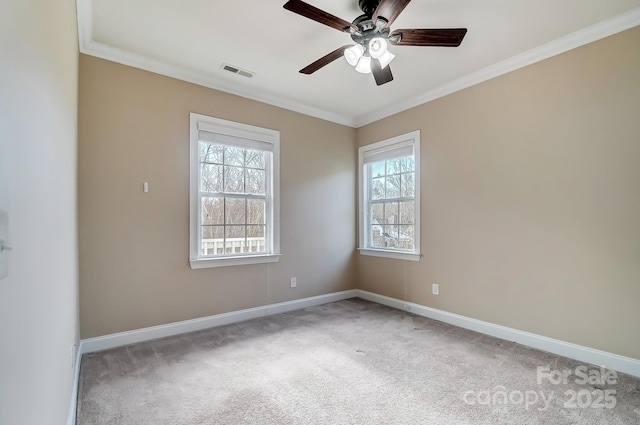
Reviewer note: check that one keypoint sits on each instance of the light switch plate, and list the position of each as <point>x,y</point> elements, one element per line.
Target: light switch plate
<point>4,237</point>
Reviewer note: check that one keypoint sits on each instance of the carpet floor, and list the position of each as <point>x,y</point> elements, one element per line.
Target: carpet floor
<point>348,362</point>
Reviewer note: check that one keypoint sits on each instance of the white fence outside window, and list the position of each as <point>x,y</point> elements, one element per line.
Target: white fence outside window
<point>233,246</point>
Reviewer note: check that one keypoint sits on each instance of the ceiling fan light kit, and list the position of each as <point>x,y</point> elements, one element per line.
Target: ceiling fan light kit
<point>386,59</point>
<point>371,32</point>
<point>364,65</point>
<point>360,58</point>
<point>353,54</point>
<point>377,47</point>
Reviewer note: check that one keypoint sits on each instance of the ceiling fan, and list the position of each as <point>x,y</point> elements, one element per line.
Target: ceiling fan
<point>371,33</point>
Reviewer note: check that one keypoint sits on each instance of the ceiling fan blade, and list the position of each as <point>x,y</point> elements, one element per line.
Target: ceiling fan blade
<point>444,37</point>
<point>389,10</point>
<point>323,61</point>
<point>381,75</point>
<point>318,15</point>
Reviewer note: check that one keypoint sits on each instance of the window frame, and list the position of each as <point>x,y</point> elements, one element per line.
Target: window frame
<point>198,122</point>
<point>364,231</point>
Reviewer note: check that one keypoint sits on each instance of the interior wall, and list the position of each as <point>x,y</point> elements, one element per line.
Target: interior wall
<point>531,199</point>
<point>38,124</point>
<point>134,247</point>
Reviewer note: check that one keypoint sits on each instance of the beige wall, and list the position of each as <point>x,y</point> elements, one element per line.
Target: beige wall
<point>531,199</point>
<point>134,269</point>
<point>38,124</point>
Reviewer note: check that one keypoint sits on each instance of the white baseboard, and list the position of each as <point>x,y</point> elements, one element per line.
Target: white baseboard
<point>145,334</point>
<point>581,353</point>
<point>577,352</point>
<point>71,418</point>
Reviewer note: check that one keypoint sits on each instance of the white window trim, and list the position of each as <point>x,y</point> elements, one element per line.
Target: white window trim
<point>362,201</point>
<point>245,131</point>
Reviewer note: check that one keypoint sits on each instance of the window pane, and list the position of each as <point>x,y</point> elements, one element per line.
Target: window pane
<point>235,211</point>
<point>408,185</point>
<point>212,240</point>
<point>377,188</point>
<point>407,213</point>
<point>390,236</point>
<point>212,210</point>
<point>255,238</point>
<point>255,159</point>
<point>393,166</point>
<point>407,164</point>
<point>406,237</point>
<point>377,240</point>
<point>234,156</point>
<point>377,169</point>
<point>256,211</point>
<point>255,181</point>
<point>210,153</point>
<point>393,187</point>
<point>212,232</point>
<point>235,239</point>
<point>211,178</point>
<point>255,231</point>
<point>233,179</point>
<point>234,232</point>
<point>377,213</point>
<point>391,213</point>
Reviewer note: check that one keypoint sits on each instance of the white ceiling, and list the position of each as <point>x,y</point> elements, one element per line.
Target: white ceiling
<point>191,39</point>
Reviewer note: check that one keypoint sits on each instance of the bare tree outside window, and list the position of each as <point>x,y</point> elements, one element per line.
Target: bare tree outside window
<point>392,203</point>
<point>233,199</point>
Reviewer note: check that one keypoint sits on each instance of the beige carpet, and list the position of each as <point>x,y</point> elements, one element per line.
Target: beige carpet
<point>349,362</point>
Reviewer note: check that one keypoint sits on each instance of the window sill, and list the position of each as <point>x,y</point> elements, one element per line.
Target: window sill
<point>397,255</point>
<point>205,263</point>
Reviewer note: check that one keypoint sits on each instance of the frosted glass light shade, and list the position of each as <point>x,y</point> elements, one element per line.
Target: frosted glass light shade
<point>386,59</point>
<point>377,47</point>
<point>364,65</point>
<point>353,54</point>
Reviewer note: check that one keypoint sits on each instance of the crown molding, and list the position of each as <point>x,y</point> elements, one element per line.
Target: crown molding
<point>135,60</point>
<point>572,41</point>
<point>103,51</point>
<point>579,38</point>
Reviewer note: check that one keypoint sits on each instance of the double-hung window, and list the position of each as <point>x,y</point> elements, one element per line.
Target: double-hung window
<point>234,193</point>
<point>389,201</point>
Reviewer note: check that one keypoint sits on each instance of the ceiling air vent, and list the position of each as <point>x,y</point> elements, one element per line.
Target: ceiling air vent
<point>236,70</point>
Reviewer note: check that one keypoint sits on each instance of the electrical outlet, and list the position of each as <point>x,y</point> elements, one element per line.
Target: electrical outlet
<point>435,289</point>
<point>294,282</point>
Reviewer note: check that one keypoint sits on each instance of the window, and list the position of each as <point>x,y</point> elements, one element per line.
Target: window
<point>234,189</point>
<point>389,202</point>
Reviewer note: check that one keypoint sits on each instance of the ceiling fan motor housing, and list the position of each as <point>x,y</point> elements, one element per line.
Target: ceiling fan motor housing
<point>368,7</point>
<point>368,30</point>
